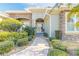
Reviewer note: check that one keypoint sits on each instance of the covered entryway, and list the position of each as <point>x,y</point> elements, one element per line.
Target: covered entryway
<point>39,25</point>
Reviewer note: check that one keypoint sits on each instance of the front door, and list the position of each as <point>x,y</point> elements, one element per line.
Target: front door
<point>38,27</point>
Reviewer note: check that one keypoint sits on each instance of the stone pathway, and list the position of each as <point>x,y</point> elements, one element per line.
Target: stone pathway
<point>39,47</point>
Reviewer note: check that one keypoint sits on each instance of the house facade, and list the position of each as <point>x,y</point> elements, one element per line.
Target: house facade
<point>56,20</point>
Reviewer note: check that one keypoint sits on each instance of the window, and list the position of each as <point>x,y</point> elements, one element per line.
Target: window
<point>70,23</point>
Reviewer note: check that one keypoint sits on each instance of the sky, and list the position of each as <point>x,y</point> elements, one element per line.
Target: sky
<point>22,6</point>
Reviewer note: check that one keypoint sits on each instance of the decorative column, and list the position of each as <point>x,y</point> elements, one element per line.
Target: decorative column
<point>49,25</point>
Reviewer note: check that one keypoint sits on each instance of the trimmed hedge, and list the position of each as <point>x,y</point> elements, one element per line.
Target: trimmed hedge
<point>22,42</point>
<point>19,35</point>
<point>4,36</point>
<point>15,36</point>
<point>6,46</point>
<point>12,35</point>
<point>57,44</point>
<point>57,52</point>
<point>30,37</point>
<point>77,51</point>
<point>45,34</point>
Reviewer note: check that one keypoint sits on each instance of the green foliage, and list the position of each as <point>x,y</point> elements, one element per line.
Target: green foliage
<point>30,37</point>
<point>62,47</point>
<point>9,24</point>
<point>58,45</point>
<point>4,36</point>
<point>55,43</point>
<point>10,39</point>
<point>58,34</point>
<point>45,34</point>
<point>77,51</point>
<point>74,10</point>
<point>6,46</point>
<point>69,5</point>
<point>22,42</point>
<point>76,24</point>
<point>14,36</point>
<point>18,35</point>
<point>29,30</point>
<point>52,38</point>
<point>57,52</point>
<point>23,34</point>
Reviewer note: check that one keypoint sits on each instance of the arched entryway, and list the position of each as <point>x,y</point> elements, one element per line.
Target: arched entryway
<point>39,25</point>
<point>25,21</point>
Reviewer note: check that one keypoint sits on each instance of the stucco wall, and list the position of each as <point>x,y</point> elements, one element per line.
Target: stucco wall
<point>47,25</point>
<point>54,24</point>
<point>36,16</point>
<point>27,22</point>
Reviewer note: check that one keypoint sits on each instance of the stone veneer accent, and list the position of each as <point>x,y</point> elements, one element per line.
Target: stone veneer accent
<point>66,36</point>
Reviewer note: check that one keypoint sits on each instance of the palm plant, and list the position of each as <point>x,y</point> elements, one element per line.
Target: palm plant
<point>74,11</point>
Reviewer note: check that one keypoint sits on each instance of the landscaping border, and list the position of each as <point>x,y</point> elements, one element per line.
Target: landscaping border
<point>18,49</point>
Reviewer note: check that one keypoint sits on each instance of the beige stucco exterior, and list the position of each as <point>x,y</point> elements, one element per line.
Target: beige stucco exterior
<point>51,19</point>
<point>54,20</point>
<point>27,16</point>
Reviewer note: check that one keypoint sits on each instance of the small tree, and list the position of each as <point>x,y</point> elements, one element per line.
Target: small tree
<point>10,24</point>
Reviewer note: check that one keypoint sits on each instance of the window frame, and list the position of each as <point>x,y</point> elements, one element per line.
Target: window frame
<point>66,31</point>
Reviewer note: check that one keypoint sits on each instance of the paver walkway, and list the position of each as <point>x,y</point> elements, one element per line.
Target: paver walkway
<point>39,47</point>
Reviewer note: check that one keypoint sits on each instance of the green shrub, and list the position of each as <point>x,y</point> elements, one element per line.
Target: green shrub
<point>52,38</point>
<point>30,37</point>
<point>77,51</point>
<point>12,35</point>
<point>23,34</point>
<point>19,35</point>
<point>62,47</point>
<point>14,40</point>
<point>29,30</point>
<point>57,52</point>
<point>57,44</point>
<point>15,36</point>
<point>10,24</point>
<point>45,34</point>
<point>6,46</point>
<point>58,34</point>
<point>22,42</point>
<point>4,36</point>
